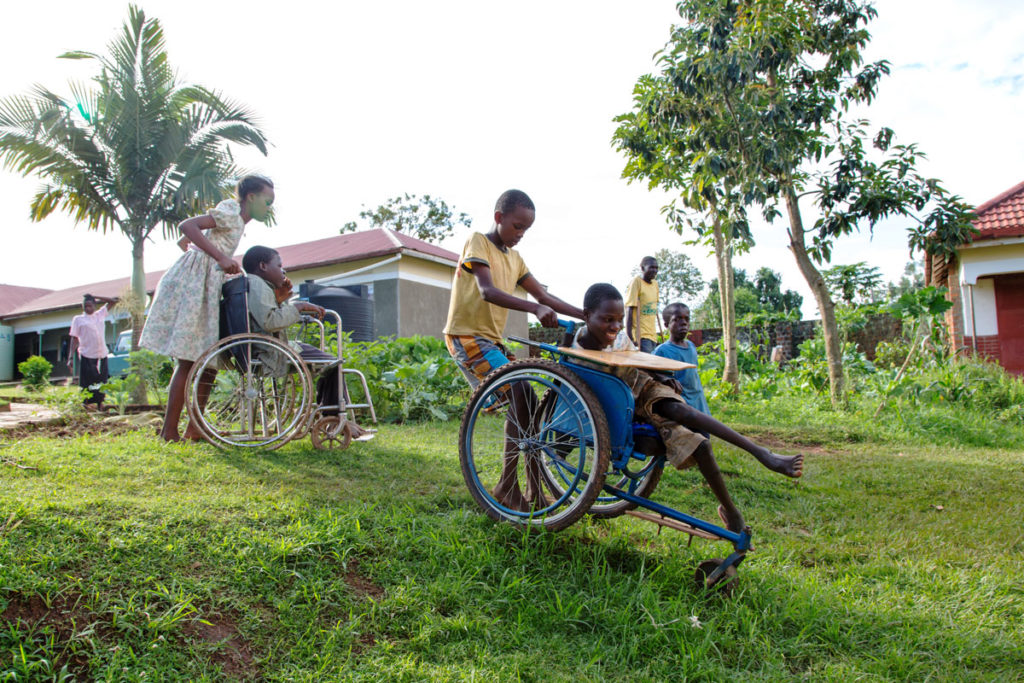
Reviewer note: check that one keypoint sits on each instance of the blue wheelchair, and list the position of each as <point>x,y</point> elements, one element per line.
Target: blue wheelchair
<point>565,426</point>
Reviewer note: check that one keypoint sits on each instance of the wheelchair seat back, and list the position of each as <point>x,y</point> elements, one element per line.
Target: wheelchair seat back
<point>616,400</point>
<point>234,315</point>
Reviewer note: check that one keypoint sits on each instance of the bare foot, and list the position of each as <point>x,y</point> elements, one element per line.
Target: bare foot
<point>789,465</point>
<point>169,437</point>
<point>733,521</point>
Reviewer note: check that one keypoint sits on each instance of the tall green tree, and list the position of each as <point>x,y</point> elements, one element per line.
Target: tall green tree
<point>759,93</point>
<point>133,150</point>
<point>428,218</point>
<point>761,297</point>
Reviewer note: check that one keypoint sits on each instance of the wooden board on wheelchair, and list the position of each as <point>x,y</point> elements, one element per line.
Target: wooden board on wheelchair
<point>629,359</point>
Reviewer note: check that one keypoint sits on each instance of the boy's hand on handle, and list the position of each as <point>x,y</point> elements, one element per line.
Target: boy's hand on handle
<point>283,292</point>
<point>306,307</point>
<point>229,265</point>
<point>546,315</point>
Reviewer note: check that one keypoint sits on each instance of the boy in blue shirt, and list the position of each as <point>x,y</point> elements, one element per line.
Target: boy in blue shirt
<point>677,321</point>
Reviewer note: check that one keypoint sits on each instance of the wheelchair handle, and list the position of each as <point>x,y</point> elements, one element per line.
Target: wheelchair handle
<point>569,325</point>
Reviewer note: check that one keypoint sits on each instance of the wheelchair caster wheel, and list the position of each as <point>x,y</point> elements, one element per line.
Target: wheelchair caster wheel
<point>325,434</point>
<point>723,583</point>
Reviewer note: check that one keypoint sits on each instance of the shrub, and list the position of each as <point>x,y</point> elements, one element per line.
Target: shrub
<point>35,372</point>
<point>152,370</point>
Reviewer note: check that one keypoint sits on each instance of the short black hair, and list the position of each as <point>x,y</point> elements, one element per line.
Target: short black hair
<point>598,294</point>
<point>252,184</point>
<point>88,297</point>
<point>647,259</point>
<point>666,313</point>
<point>510,199</point>
<point>255,256</point>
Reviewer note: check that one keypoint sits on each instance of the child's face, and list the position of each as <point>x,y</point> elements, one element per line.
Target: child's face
<point>272,271</point>
<point>678,324</point>
<point>513,225</point>
<point>260,203</point>
<point>649,270</point>
<point>605,322</point>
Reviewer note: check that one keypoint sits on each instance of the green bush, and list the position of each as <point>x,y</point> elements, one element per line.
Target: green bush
<point>410,378</point>
<point>35,372</point>
<point>153,370</point>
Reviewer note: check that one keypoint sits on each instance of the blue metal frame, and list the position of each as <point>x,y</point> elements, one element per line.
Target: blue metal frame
<point>616,400</point>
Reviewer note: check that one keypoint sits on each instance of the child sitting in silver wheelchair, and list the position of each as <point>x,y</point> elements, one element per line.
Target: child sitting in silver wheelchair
<point>271,313</point>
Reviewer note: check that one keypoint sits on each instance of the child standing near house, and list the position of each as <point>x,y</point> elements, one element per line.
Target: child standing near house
<point>642,306</point>
<point>483,292</point>
<point>184,318</point>
<point>683,429</point>
<point>88,338</point>
<point>676,317</point>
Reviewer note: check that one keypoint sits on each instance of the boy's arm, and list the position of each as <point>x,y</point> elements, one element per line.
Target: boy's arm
<point>632,301</point>
<point>268,314</point>
<point>544,297</point>
<point>544,312</point>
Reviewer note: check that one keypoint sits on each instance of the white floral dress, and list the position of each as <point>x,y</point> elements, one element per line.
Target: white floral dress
<point>184,319</point>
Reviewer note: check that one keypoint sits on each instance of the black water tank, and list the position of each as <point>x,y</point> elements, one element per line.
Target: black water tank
<point>351,303</point>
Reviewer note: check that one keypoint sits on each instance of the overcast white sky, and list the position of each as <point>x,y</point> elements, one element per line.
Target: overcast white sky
<point>464,99</point>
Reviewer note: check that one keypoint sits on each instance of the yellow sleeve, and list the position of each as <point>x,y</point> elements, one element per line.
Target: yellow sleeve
<point>476,251</point>
<point>633,292</point>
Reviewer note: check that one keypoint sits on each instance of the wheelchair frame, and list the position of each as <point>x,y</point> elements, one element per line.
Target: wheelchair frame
<point>237,351</point>
<point>563,450</point>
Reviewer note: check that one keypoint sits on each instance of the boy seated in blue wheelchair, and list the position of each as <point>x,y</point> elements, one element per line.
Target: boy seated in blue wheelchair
<point>684,430</point>
<point>271,313</point>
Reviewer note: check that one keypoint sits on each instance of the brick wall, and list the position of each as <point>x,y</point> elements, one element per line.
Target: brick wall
<point>788,335</point>
<point>988,346</point>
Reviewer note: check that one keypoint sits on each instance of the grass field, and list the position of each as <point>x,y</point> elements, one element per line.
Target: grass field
<point>122,558</point>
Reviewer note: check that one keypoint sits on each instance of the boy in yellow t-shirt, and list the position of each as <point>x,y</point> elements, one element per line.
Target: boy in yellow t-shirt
<point>642,306</point>
<point>483,292</point>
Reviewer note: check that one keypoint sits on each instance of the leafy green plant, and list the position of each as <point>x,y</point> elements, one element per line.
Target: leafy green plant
<point>152,370</point>
<point>66,402</point>
<point>119,391</point>
<point>35,371</point>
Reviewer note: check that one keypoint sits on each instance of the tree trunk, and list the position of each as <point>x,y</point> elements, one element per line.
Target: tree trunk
<point>723,257</point>
<point>137,308</point>
<point>829,326</point>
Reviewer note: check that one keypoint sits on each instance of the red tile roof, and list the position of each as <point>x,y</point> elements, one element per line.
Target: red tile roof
<point>355,246</point>
<point>54,300</point>
<point>1001,216</point>
<point>13,296</point>
<point>338,249</point>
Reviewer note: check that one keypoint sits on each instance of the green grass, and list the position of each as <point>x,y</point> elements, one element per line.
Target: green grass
<point>126,559</point>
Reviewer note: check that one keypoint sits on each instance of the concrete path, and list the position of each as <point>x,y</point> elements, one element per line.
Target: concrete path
<point>24,413</point>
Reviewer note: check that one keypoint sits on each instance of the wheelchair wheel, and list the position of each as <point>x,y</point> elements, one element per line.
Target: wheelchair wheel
<point>260,397</point>
<point>329,434</point>
<point>528,424</point>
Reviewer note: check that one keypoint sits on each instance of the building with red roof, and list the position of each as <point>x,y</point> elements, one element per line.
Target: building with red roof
<point>407,280</point>
<point>986,283</point>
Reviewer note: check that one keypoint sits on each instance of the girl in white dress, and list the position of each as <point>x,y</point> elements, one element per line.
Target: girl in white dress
<point>184,318</point>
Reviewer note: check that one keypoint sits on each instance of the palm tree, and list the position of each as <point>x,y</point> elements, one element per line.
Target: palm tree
<point>136,150</point>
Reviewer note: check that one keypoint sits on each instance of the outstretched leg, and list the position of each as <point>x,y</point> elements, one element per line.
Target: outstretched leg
<point>681,413</point>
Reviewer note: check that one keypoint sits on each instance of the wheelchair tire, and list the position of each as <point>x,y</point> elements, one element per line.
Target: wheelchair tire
<point>570,444</point>
<point>245,406</point>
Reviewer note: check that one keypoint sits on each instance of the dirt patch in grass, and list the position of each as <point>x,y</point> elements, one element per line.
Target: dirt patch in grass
<point>361,585</point>
<point>228,648</point>
<point>64,618</point>
<point>70,430</point>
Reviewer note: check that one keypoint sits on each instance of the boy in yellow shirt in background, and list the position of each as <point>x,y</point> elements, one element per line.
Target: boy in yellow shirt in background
<point>642,306</point>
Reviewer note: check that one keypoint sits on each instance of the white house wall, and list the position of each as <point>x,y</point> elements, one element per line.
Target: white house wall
<point>979,260</point>
<point>984,308</point>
